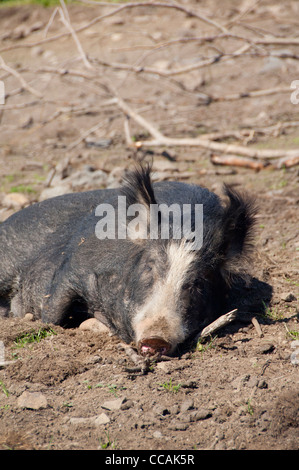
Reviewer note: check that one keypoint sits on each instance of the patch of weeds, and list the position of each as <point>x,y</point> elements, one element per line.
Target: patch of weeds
<point>170,387</point>
<point>205,347</point>
<point>113,389</point>
<point>249,407</point>
<point>292,333</point>
<point>33,336</point>
<point>22,188</point>
<point>271,313</point>
<point>107,442</point>
<point>4,389</point>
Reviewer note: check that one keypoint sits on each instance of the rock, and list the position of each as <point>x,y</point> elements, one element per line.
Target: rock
<point>92,324</point>
<point>113,405</point>
<point>15,200</point>
<point>32,400</point>
<point>29,317</point>
<point>91,421</point>
<point>177,426</point>
<point>157,435</point>
<point>186,405</point>
<point>265,348</point>
<point>101,419</point>
<point>58,190</point>
<point>288,297</point>
<point>127,405</point>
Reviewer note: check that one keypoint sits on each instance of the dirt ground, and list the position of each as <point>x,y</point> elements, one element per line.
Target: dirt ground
<point>72,389</point>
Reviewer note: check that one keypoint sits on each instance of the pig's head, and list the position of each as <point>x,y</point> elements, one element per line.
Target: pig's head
<point>176,285</point>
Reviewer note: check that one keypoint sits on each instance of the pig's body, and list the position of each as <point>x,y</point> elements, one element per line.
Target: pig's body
<point>154,292</point>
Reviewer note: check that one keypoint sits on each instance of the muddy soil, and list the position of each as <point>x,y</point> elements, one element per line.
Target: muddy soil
<point>76,389</point>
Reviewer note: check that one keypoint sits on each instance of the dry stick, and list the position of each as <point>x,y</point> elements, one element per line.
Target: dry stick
<point>108,15</point>
<point>287,162</point>
<point>172,5</point>
<point>23,82</point>
<point>222,321</point>
<point>257,327</point>
<point>233,160</point>
<point>161,140</point>
<point>64,17</point>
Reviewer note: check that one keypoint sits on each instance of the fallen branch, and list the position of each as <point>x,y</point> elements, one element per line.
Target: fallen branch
<point>257,327</point>
<point>64,17</point>
<point>287,162</point>
<point>221,322</point>
<point>233,160</point>
<point>162,140</point>
<point>23,82</point>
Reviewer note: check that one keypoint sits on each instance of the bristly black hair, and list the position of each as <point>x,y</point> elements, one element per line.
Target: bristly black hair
<point>238,228</point>
<point>137,186</point>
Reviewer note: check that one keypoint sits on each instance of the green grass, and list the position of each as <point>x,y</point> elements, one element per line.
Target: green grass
<point>33,337</point>
<point>107,443</point>
<point>44,3</point>
<point>22,188</point>
<point>170,387</point>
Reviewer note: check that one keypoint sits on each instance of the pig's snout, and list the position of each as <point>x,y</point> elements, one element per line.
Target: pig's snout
<point>152,346</point>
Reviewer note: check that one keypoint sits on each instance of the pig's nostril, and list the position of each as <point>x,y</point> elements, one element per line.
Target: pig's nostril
<point>152,346</point>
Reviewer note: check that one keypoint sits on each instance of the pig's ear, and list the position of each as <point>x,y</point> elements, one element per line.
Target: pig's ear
<point>137,186</point>
<point>139,193</point>
<point>237,243</point>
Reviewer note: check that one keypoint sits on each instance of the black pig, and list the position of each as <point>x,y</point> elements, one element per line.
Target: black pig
<point>156,291</point>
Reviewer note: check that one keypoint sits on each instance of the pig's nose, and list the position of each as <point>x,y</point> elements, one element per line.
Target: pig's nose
<point>152,346</point>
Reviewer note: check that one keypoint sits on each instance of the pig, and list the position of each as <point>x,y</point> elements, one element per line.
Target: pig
<point>57,263</point>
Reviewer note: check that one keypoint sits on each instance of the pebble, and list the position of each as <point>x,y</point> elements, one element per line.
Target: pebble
<point>97,420</point>
<point>186,405</point>
<point>92,324</point>
<point>29,317</point>
<point>113,405</point>
<point>32,400</point>
<point>288,297</point>
<point>265,348</point>
<point>295,354</point>
<point>15,200</point>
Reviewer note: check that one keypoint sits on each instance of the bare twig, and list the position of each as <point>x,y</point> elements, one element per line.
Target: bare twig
<point>233,160</point>
<point>162,140</point>
<point>23,82</point>
<point>64,17</point>
<point>257,327</point>
<point>221,322</point>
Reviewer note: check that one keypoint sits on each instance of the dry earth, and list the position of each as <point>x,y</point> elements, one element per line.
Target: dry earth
<point>72,389</point>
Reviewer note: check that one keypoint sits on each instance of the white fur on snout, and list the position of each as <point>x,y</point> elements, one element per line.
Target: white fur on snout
<point>161,314</point>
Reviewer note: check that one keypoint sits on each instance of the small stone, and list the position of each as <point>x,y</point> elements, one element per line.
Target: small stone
<point>15,200</point>
<point>186,405</point>
<point>295,344</point>
<point>265,348</point>
<point>101,419</point>
<point>295,357</point>
<point>113,405</point>
<point>97,420</point>
<point>157,434</point>
<point>29,317</point>
<point>289,297</point>
<point>127,405</point>
<point>199,415</point>
<point>177,426</point>
<point>92,324</point>
<point>32,400</point>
